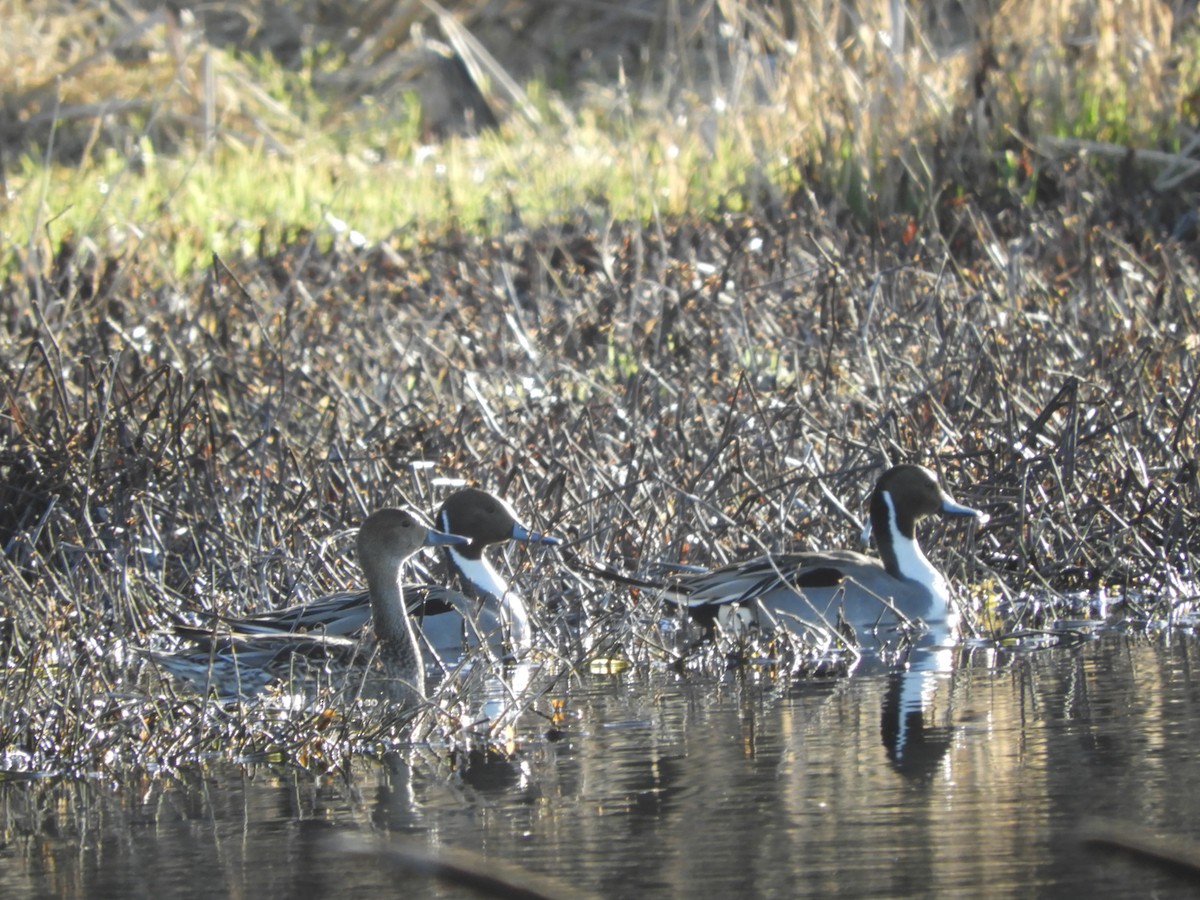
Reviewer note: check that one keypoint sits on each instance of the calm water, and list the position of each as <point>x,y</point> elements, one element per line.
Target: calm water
<point>684,787</point>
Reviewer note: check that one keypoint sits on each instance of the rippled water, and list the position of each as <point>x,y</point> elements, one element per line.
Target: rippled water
<point>682,786</point>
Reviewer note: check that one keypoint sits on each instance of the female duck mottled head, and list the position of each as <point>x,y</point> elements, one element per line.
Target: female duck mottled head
<point>815,586</point>
<point>448,619</point>
<point>240,663</point>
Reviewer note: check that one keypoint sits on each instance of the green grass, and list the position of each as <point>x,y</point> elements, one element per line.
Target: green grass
<point>187,206</point>
<point>289,152</point>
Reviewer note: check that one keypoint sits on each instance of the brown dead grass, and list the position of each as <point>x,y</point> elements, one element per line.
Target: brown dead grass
<point>691,390</point>
<point>684,393</point>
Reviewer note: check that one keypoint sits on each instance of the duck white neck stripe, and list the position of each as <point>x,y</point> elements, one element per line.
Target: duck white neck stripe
<point>485,578</point>
<point>480,573</point>
<point>910,561</point>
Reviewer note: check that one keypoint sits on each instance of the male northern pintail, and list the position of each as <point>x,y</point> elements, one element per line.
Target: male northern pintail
<point>450,620</point>
<point>815,586</point>
<point>238,663</point>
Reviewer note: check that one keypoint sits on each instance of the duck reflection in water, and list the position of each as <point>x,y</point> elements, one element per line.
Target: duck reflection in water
<point>915,721</point>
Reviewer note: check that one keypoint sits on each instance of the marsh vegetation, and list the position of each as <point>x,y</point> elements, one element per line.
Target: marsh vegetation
<point>676,314</point>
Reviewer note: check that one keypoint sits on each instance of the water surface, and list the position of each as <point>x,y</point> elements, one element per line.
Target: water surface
<point>682,786</point>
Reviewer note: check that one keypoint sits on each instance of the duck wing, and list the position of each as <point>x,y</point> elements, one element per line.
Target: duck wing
<point>342,614</point>
<point>745,581</point>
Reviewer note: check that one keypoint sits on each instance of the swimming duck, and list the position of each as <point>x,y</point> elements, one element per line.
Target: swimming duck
<point>487,611</point>
<point>814,586</point>
<point>238,663</point>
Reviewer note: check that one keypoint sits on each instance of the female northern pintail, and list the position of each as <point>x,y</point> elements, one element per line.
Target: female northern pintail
<point>237,663</point>
<point>449,620</point>
<point>815,587</point>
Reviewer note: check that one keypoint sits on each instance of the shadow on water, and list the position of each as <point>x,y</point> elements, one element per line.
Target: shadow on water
<point>962,773</point>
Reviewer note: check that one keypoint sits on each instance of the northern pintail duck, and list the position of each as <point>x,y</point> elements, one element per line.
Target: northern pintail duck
<point>815,587</point>
<point>239,663</point>
<point>487,610</point>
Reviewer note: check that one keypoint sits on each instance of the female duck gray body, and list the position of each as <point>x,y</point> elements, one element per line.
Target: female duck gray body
<point>238,663</point>
<point>487,611</point>
<point>815,587</point>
